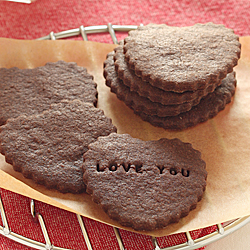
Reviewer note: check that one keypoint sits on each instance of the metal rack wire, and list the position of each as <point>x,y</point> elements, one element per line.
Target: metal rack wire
<point>222,231</point>
<point>190,244</point>
<point>84,31</point>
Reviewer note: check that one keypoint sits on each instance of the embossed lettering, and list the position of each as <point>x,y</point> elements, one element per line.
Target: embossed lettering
<point>173,171</point>
<point>185,172</point>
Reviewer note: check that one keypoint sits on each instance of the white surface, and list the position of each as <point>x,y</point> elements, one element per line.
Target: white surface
<point>239,240</point>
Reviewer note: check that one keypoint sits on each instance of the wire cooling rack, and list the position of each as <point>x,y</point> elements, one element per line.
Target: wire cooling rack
<point>190,244</point>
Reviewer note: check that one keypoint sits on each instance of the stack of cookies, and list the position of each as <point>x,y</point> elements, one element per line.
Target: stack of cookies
<point>175,77</point>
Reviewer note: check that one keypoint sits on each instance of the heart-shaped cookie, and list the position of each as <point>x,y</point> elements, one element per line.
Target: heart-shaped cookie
<point>209,106</point>
<point>137,102</point>
<point>144,184</point>
<point>182,58</point>
<point>145,89</point>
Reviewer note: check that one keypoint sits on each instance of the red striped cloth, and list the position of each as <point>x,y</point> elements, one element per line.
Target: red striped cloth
<point>38,19</point>
<point>64,229</point>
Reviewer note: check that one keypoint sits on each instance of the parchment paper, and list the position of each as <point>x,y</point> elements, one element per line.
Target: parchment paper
<point>223,141</point>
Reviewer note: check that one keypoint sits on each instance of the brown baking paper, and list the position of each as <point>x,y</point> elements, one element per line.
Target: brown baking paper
<point>223,141</point>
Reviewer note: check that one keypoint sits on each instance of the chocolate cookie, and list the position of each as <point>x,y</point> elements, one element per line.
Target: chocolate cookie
<point>137,102</point>
<point>208,108</point>
<point>144,184</point>
<point>182,58</point>
<point>143,88</point>
<point>31,91</point>
<point>49,147</point>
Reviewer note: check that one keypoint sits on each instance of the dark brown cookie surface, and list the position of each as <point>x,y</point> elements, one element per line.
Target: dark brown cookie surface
<point>31,91</point>
<point>208,107</point>
<point>182,58</point>
<point>143,88</point>
<point>137,102</point>
<point>144,184</point>
<point>49,147</point>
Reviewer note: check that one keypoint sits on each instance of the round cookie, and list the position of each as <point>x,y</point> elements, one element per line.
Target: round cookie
<point>143,88</point>
<point>48,148</point>
<point>182,58</point>
<point>145,185</point>
<point>137,102</point>
<point>31,91</point>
